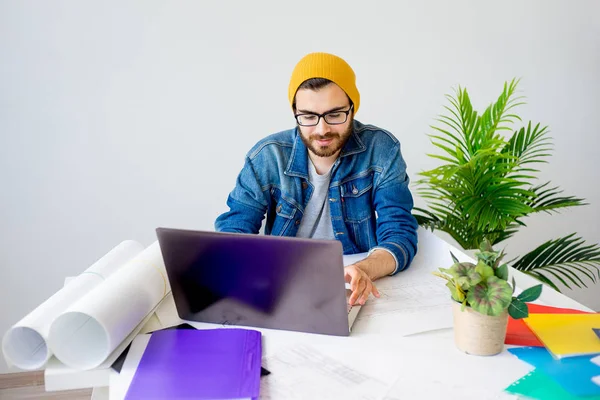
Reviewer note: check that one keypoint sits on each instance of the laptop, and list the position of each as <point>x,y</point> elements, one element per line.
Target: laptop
<point>261,281</point>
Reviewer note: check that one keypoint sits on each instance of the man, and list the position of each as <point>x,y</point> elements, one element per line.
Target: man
<point>331,177</point>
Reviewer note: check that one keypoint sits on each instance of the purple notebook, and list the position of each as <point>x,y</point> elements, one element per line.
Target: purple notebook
<point>199,364</point>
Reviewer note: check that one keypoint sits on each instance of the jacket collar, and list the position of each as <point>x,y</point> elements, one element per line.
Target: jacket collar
<point>298,164</point>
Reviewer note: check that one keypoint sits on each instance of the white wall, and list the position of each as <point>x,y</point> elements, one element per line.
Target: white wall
<point>116,119</point>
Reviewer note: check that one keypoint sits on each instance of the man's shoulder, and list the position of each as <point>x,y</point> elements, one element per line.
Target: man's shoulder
<point>278,142</point>
<point>374,136</point>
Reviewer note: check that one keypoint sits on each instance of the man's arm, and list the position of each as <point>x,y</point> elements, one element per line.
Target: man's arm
<point>396,231</point>
<point>393,202</point>
<point>378,264</point>
<point>247,204</point>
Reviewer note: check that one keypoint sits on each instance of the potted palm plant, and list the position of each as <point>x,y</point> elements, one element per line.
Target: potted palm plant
<point>482,300</point>
<point>486,186</point>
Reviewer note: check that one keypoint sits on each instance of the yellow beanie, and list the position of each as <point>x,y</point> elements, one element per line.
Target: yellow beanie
<point>328,66</point>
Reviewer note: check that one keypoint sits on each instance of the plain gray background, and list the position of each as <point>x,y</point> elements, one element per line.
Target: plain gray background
<point>119,117</point>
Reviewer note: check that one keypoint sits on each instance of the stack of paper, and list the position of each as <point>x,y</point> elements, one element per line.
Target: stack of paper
<point>199,364</point>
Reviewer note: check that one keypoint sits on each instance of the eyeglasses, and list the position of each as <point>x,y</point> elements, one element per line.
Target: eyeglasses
<point>331,117</point>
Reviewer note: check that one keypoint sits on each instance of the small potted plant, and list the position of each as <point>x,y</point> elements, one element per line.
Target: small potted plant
<point>483,299</point>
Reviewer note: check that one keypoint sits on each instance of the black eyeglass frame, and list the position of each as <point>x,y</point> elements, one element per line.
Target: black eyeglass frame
<point>319,116</point>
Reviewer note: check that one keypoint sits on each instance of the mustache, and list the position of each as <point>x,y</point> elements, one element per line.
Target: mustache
<point>325,137</point>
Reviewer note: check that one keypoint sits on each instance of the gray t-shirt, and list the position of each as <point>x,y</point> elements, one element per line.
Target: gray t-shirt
<point>316,222</point>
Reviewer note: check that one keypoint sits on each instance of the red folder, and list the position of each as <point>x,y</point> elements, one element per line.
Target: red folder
<point>518,333</point>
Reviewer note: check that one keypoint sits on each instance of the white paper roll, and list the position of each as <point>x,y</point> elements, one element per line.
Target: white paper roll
<point>25,344</point>
<point>87,333</point>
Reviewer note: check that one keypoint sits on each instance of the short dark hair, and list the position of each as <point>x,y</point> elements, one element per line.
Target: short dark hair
<point>315,84</point>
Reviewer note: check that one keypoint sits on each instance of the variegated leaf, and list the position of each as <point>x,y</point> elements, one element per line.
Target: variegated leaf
<point>465,275</point>
<point>484,270</point>
<point>490,297</point>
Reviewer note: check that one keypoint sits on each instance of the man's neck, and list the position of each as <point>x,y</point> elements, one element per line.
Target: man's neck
<point>323,164</point>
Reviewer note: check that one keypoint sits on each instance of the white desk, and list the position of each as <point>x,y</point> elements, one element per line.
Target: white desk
<point>377,360</point>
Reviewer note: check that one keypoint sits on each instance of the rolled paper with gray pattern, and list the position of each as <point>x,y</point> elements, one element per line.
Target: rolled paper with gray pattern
<point>87,333</point>
<point>25,344</point>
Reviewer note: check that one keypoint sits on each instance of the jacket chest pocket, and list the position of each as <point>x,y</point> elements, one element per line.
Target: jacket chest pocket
<point>357,197</point>
<point>285,214</point>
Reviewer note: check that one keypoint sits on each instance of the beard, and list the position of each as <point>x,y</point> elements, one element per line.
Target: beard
<point>337,142</point>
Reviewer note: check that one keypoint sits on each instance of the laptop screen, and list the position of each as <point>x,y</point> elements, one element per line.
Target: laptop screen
<point>256,280</point>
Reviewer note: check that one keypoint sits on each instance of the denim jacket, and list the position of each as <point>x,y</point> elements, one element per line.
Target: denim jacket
<point>370,201</point>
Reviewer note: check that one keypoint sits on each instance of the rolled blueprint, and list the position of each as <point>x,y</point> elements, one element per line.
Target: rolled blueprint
<point>83,336</point>
<point>25,345</point>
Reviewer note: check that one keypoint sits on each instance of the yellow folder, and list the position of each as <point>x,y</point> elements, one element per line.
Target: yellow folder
<point>566,335</point>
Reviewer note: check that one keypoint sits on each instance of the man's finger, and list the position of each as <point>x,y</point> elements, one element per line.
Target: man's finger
<point>355,282</point>
<point>347,277</point>
<point>349,274</point>
<point>360,287</point>
<point>354,294</point>
<point>353,297</point>
<point>365,294</point>
<point>375,291</point>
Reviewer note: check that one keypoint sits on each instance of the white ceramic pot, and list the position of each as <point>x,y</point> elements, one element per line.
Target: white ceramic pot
<point>478,334</point>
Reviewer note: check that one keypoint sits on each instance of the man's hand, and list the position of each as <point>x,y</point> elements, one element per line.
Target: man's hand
<point>360,284</point>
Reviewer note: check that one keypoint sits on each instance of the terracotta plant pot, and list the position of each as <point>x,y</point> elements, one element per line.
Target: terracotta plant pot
<point>478,334</point>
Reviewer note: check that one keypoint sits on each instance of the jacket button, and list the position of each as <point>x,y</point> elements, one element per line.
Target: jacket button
<point>278,208</point>
<point>354,190</point>
<point>304,185</point>
<point>297,222</point>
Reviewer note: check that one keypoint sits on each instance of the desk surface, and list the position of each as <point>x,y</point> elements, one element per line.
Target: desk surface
<point>379,360</point>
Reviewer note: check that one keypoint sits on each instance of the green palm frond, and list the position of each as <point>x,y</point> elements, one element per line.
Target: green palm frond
<point>477,186</point>
<point>497,114</point>
<point>485,181</point>
<point>506,233</point>
<point>548,199</point>
<point>529,145</point>
<point>486,185</point>
<point>567,260</point>
<point>426,218</point>
<point>467,236</point>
